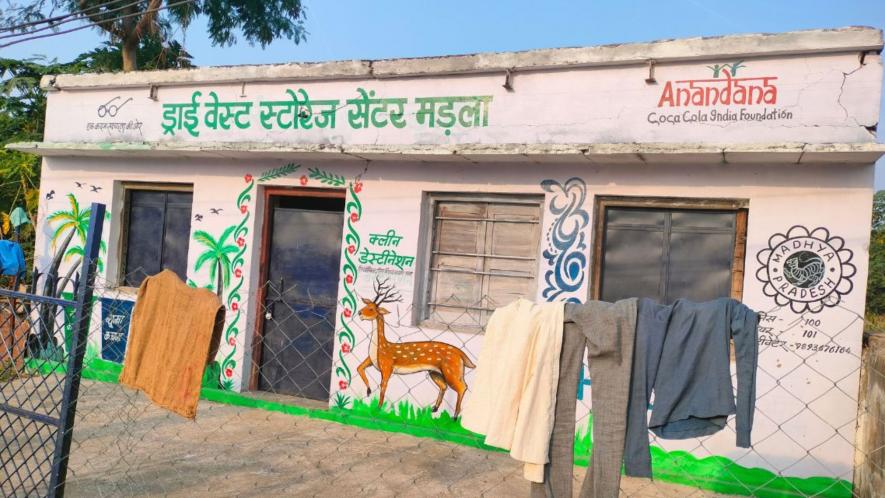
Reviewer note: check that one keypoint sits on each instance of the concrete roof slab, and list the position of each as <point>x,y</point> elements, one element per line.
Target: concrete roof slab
<point>819,41</point>
<point>625,154</point>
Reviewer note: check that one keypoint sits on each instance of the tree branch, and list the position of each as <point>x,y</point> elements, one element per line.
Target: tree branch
<point>105,24</point>
<point>147,19</point>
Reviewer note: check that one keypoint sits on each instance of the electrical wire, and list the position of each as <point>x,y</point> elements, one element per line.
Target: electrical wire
<point>92,24</point>
<point>62,17</point>
<point>74,18</point>
<point>56,25</point>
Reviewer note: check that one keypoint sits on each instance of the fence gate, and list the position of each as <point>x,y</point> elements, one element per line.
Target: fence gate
<point>43,340</point>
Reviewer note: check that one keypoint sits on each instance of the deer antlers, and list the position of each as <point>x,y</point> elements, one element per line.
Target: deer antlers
<point>385,293</point>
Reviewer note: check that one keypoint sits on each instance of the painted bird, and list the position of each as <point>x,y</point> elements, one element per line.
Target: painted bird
<point>216,210</point>
<point>79,184</point>
<point>50,195</point>
<point>198,217</point>
<point>94,188</point>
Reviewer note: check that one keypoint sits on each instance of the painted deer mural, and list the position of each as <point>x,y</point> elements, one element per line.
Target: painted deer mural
<point>445,363</point>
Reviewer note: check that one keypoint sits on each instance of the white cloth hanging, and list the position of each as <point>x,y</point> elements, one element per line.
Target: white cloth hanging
<point>513,395</point>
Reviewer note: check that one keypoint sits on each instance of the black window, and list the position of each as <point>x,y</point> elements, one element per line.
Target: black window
<point>667,254</point>
<point>156,234</point>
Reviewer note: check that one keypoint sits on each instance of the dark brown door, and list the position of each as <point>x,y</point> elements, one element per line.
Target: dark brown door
<point>300,294</point>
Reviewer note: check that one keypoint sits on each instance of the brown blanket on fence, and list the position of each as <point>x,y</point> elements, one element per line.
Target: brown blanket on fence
<point>174,332</point>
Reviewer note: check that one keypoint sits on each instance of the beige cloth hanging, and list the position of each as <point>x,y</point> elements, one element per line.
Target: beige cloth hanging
<point>513,396</point>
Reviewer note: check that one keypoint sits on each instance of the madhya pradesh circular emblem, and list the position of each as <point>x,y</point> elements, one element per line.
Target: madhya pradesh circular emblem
<point>806,269</point>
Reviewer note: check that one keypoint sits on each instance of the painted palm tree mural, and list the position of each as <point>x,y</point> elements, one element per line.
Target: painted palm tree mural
<point>68,239</point>
<point>218,254</point>
<point>69,223</point>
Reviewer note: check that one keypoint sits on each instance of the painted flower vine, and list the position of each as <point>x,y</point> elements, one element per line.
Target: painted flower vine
<point>225,257</point>
<point>346,338</point>
<point>232,329</point>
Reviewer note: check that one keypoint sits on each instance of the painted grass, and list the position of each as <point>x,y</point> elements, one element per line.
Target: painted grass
<point>93,369</point>
<point>403,417</point>
<point>715,473</point>
<point>722,475</point>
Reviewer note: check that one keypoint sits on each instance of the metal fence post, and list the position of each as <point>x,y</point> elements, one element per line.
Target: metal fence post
<point>82,313</point>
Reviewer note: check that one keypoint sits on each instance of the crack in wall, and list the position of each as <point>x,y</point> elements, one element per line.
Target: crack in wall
<point>360,176</point>
<point>861,65</point>
<point>801,154</point>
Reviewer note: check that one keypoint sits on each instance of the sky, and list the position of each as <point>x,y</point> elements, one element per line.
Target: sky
<point>352,29</point>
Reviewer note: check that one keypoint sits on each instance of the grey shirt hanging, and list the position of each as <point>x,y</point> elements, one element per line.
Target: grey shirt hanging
<point>683,354</point>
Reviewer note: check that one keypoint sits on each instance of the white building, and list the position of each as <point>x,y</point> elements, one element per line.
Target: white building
<point>736,166</point>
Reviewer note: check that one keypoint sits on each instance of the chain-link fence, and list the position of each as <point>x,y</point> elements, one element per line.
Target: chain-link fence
<point>43,341</point>
<point>33,394</point>
<point>279,417</point>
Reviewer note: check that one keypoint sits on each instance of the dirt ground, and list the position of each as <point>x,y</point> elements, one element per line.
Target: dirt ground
<point>124,446</point>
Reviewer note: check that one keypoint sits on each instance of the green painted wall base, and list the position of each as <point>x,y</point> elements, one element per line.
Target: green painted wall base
<point>715,473</point>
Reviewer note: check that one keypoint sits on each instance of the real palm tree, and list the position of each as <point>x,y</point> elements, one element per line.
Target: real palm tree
<point>219,252</point>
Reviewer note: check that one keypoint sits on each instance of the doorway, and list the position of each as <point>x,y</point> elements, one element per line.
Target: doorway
<point>300,263</point>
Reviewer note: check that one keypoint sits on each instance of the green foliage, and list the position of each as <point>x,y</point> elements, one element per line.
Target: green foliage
<point>153,53</point>
<point>876,280</point>
<point>22,111</point>
<point>879,211</point>
<point>128,23</point>
<point>259,22</point>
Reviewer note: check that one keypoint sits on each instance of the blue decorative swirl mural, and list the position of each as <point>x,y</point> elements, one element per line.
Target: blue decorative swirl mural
<point>566,240</point>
